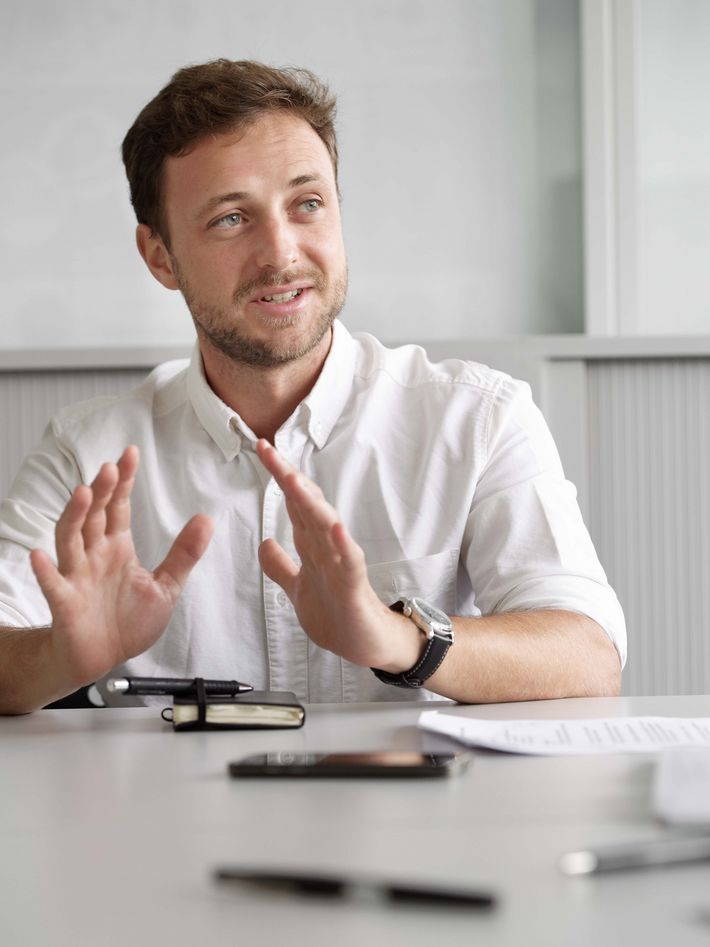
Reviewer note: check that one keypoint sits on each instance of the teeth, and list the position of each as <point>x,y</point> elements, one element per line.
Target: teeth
<point>282,297</point>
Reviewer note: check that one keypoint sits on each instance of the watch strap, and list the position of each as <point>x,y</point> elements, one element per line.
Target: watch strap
<point>434,654</point>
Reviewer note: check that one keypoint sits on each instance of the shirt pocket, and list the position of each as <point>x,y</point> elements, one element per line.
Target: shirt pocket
<point>432,578</point>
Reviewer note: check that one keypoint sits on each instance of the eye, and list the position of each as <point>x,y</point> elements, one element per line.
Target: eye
<point>311,205</point>
<point>229,221</point>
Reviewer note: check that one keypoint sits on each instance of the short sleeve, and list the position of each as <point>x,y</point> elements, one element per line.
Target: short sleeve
<point>526,545</point>
<point>28,518</point>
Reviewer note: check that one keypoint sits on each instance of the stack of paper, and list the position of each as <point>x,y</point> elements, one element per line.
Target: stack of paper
<point>572,737</point>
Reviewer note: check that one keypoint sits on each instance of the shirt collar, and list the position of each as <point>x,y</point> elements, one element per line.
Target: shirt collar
<point>222,424</point>
<point>321,407</point>
<point>327,398</point>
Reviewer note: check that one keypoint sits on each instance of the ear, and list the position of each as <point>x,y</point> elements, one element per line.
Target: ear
<point>155,254</point>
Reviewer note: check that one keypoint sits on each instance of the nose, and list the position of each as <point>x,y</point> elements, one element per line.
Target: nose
<point>276,248</point>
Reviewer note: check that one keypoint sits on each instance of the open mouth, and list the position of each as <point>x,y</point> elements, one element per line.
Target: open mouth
<point>282,297</point>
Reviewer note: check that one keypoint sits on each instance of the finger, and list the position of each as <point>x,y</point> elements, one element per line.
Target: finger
<point>307,526</point>
<point>351,555</point>
<point>278,565</point>
<point>118,510</point>
<point>102,487</point>
<point>68,535</point>
<point>279,469</point>
<point>306,505</point>
<point>306,500</point>
<point>50,580</point>
<point>184,554</point>
<point>286,476</point>
<point>313,521</point>
<point>292,507</point>
<point>273,461</point>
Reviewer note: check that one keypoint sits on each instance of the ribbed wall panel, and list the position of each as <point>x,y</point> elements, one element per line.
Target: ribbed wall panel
<point>649,513</point>
<point>29,399</point>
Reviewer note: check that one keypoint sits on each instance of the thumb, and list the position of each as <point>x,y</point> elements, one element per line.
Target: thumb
<point>49,578</point>
<point>278,566</point>
<point>184,554</point>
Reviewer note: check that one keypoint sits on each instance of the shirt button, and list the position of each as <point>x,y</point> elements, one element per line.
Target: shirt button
<point>282,599</point>
<point>234,425</point>
<point>278,492</point>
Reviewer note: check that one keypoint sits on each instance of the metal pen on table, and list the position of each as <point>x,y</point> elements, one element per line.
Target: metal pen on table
<point>658,853</point>
<point>174,686</point>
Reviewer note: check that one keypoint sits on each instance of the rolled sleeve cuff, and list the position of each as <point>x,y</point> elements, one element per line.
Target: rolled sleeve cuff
<point>11,618</point>
<point>572,594</point>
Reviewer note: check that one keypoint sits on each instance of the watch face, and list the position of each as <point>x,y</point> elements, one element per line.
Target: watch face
<point>430,613</point>
<point>431,620</point>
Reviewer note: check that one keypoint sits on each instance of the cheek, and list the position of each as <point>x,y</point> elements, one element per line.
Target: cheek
<point>220,268</point>
<point>329,248</point>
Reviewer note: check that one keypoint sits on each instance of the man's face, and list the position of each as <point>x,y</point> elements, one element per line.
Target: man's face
<point>256,243</point>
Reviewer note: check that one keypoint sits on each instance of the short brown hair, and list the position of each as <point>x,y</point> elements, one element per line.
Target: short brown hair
<point>215,97</point>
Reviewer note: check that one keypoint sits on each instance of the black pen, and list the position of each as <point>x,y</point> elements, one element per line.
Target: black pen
<point>174,686</point>
<point>334,886</point>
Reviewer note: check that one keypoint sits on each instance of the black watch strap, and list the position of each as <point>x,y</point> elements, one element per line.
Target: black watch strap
<point>434,654</point>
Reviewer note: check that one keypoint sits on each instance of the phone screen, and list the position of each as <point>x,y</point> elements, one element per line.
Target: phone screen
<point>381,763</point>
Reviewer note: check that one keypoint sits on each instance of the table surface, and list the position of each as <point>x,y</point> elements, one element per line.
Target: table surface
<point>111,826</point>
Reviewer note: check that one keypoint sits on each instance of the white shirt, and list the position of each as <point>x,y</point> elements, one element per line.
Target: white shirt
<point>445,474</point>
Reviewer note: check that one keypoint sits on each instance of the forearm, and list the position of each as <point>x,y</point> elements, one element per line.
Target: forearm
<point>30,676</point>
<point>528,656</point>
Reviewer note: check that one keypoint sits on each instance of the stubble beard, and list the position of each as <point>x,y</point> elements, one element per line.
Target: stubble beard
<point>217,324</point>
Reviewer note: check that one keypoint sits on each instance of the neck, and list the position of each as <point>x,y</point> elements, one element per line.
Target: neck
<point>263,397</point>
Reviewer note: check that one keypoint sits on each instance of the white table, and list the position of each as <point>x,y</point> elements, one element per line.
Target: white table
<point>111,824</point>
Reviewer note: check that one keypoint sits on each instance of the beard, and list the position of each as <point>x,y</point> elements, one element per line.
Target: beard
<point>217,323</point>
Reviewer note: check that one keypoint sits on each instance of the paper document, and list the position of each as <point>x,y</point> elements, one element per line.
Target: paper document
<point>572,737</point>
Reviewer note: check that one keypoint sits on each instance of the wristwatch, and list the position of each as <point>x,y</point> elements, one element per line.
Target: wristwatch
<point>439,631</point>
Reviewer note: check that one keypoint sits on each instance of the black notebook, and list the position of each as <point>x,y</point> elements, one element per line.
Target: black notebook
<point>257,710</point>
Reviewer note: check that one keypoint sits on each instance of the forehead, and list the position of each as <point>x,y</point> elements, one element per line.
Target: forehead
<point>270,151</point>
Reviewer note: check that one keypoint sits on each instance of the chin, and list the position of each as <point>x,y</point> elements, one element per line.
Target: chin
<point>288,346</point>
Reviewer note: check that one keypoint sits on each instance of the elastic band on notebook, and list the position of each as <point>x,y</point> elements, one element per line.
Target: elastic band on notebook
<point>201,701</point>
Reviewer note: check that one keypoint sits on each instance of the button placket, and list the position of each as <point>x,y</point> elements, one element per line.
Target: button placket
<point>287,643</point>
<point>285,640</point>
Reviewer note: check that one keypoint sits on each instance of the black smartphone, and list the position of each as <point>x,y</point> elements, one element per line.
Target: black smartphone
<point>381,763</point>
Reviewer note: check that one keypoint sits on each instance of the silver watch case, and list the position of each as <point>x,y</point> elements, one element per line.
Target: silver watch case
<point>430,619</point>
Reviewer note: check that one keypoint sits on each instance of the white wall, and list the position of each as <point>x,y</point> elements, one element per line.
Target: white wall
<point>646,166</point>
<point>460,169</point>
<point>673,96</point>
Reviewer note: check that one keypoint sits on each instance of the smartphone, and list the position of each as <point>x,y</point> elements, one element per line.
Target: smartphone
<point>384,763</point>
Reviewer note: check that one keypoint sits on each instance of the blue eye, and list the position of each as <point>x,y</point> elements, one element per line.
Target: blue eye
<point>229,221</point>
<point>311,205</point>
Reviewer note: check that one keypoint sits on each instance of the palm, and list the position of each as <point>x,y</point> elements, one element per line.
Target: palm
<point>330,592</point>
<point>105,606</point>
<point>333,599</point>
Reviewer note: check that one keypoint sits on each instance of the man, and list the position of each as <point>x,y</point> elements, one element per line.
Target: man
<point>362,478</point>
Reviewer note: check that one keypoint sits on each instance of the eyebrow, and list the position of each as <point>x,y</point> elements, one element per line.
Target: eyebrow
<point>237,196</point>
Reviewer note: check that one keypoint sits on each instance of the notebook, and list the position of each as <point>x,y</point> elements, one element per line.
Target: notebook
<point>257,710</point>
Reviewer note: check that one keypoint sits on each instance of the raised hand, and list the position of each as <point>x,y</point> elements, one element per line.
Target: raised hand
<point>330,592</point>
<point>105,606</point>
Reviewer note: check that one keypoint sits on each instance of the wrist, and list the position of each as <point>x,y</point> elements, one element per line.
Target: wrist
<point>72,665</point>
<point>438,632</point>
<point>406,643</point>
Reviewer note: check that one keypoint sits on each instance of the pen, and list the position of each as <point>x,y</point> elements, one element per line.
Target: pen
<point>335,886</point>
<point>655,854</point>
<point>173,686</point>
